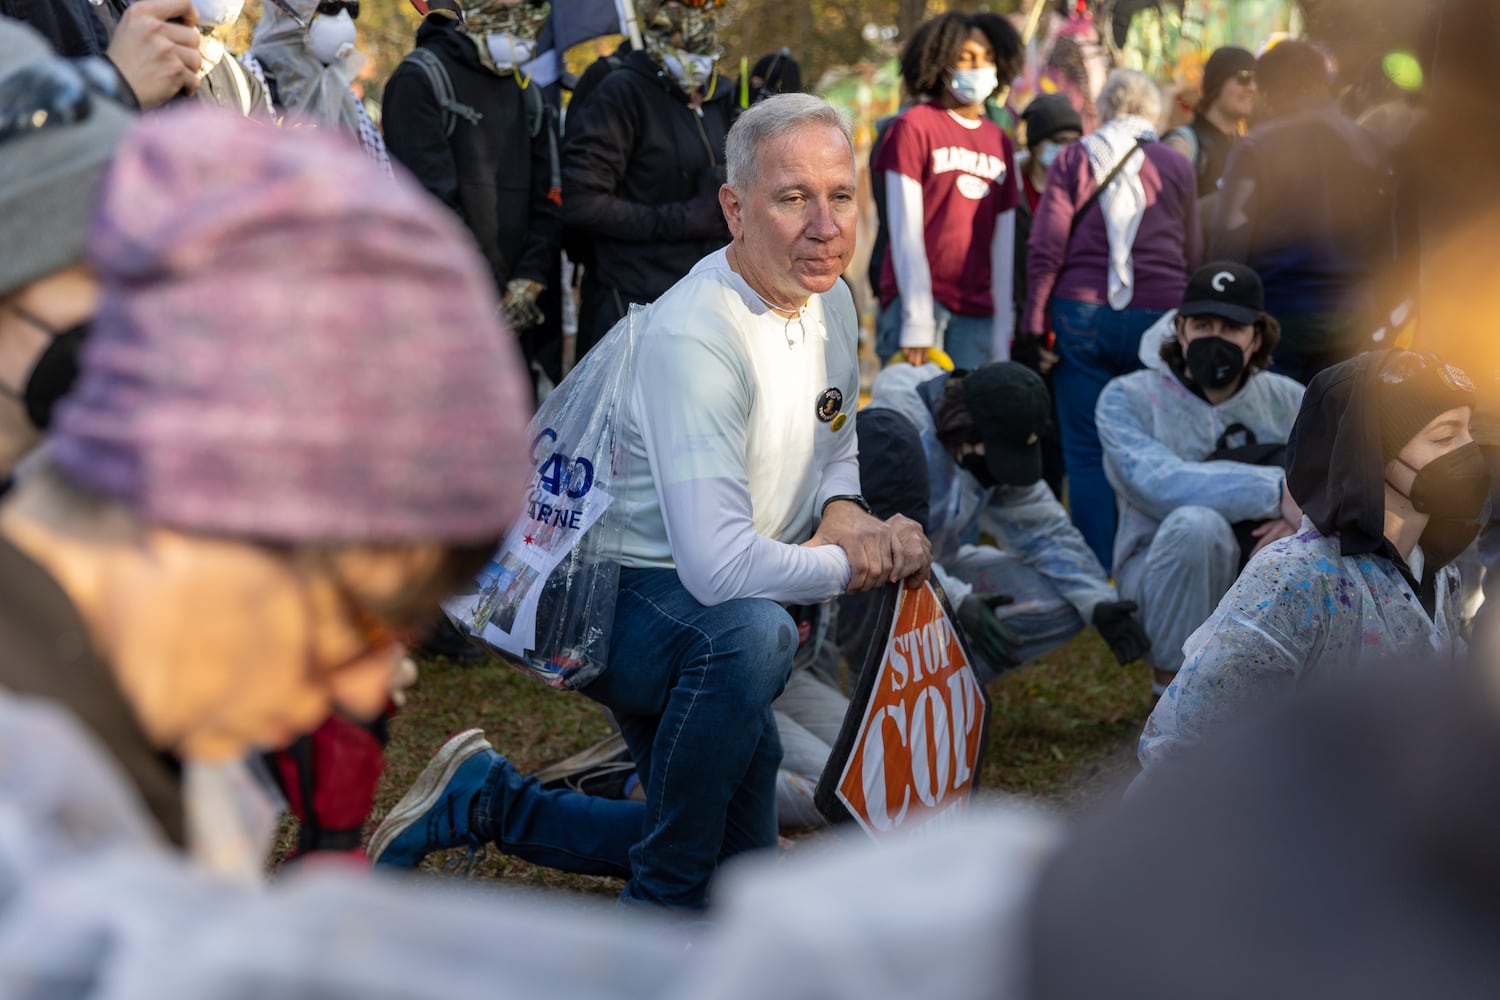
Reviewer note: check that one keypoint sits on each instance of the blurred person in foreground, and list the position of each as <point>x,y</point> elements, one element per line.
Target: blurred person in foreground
<point>152,44</point>
<point>1194,449</point>
<point>304,55</point>
<point>1393,489</point>
<point>1305,201</point>
<point>49,176</point>
<point>1113,242</point>
<point>130,544</point>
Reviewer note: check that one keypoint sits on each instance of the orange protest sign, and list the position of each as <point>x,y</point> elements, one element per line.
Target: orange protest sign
<point>908,755</point>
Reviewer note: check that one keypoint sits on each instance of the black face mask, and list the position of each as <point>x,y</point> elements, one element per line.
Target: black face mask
<point>975,465</point>
<point>1213,362</point>
<point>53,374</point>
<point>1452,490</point>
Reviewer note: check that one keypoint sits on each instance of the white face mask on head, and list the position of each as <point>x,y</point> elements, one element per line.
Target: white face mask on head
<point>689,69</point>
<point>218,13</point>
<point>330,39</point>
<point>971,86</point>
<point>508,51</point>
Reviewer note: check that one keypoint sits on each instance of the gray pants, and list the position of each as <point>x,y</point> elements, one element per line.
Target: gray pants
<point>1191,564</point>
<point>808,716</point>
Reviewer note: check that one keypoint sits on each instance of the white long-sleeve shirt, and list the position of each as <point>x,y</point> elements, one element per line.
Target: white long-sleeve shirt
<point>740,428</point>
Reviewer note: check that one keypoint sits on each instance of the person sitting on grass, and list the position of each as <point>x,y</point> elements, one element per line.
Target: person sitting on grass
<point>1393,488</point>
<point>1190,447</point>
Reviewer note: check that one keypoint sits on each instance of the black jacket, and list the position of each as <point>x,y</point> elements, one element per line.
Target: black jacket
<point>641,175</point>
<point>493,174</point>
<point>72,26</point>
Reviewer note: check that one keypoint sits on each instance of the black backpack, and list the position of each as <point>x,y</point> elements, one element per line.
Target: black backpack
<point>539,114</point>
<point>1238,444</point>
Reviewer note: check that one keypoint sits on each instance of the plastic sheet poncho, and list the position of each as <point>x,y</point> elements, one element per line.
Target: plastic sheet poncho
<point>1157,435</point>
<point>304,86</point>
<point>1324,606</point>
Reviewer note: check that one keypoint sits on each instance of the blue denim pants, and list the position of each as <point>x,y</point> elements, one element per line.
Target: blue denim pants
<point>967,340</point>
<point>691,688</point>
<point>558,828</point>
<point>1095,344</point>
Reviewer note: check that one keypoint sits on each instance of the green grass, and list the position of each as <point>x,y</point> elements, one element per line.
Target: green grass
<point>1060,730</point>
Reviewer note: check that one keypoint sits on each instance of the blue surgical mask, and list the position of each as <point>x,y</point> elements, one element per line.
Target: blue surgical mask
<point>971,86</point>
<point>1046,154</point>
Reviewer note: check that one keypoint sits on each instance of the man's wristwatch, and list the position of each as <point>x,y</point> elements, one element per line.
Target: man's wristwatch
<point>852,498</point>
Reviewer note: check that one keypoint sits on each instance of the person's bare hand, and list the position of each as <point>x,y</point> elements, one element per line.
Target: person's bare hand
<point>1272,531</point>
<point>1046,361</point>
<point>159,59</point>
<point>865,539</point>
<point>911,551</point>
<point>915,356</point>
<point>1290,512</point>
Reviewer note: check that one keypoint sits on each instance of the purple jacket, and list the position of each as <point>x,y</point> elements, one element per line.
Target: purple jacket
<point>1167,247</point>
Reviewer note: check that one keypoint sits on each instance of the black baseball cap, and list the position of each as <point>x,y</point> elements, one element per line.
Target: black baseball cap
<point>1231,291</point>
<point>1009,405</point>
<point>1048,115</point>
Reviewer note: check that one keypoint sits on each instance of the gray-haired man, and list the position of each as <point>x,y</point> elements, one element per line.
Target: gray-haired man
<point>745,488</point>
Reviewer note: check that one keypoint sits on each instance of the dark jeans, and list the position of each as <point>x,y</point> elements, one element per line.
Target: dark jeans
<point>1096,343</point>
<point>691,688</point>
<point>557,828</point>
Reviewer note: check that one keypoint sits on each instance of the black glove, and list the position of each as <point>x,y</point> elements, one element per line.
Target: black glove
<point>1116,622</point>
<point>1026,349</point>
<point>991,639</point>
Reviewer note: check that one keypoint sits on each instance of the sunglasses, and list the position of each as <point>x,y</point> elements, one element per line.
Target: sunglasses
<point>326,7</point>
<point>1410,364</point>
<point>700,4</point>
<point>53,93</point>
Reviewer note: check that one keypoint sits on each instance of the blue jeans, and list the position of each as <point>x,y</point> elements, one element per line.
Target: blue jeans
<point>968,340</point>
<point>1096,343</point>
<point>691,688</point>
<point>557,828</point>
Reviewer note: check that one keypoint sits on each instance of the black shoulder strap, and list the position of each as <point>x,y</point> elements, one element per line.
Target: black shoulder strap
<point>442,88</point>
<point>1108,180</point>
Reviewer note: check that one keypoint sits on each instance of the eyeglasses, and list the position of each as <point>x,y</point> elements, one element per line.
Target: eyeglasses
<point>1406,365</point>
<point>54,92</point>
<point>332,7</point>
<point>700,4</point>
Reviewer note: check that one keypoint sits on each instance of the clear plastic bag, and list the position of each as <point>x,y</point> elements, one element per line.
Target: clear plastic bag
<point>546,601</point>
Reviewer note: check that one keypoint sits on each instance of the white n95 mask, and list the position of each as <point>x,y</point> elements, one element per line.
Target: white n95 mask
<point>689,69</point>
<point>330,39</point>
<point>218,13</point>
<point>508,51</point>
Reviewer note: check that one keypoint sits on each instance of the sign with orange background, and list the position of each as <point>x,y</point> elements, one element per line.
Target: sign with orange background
<point>909,753</point>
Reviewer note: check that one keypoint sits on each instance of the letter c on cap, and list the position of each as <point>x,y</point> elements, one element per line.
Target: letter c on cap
<point>1221,279</point>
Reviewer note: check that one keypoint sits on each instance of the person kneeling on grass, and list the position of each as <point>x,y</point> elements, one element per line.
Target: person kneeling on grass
<point>1393,488</point>
<point>1190,447</point>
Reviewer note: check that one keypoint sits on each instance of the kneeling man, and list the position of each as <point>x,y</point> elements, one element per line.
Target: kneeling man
<point>743,490</point>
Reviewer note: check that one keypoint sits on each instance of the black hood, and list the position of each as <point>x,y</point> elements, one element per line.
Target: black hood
<point>1334,471</point>
<point>441,31</point>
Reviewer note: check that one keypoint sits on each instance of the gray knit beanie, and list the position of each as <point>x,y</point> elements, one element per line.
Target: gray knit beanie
<point>51,175</point>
